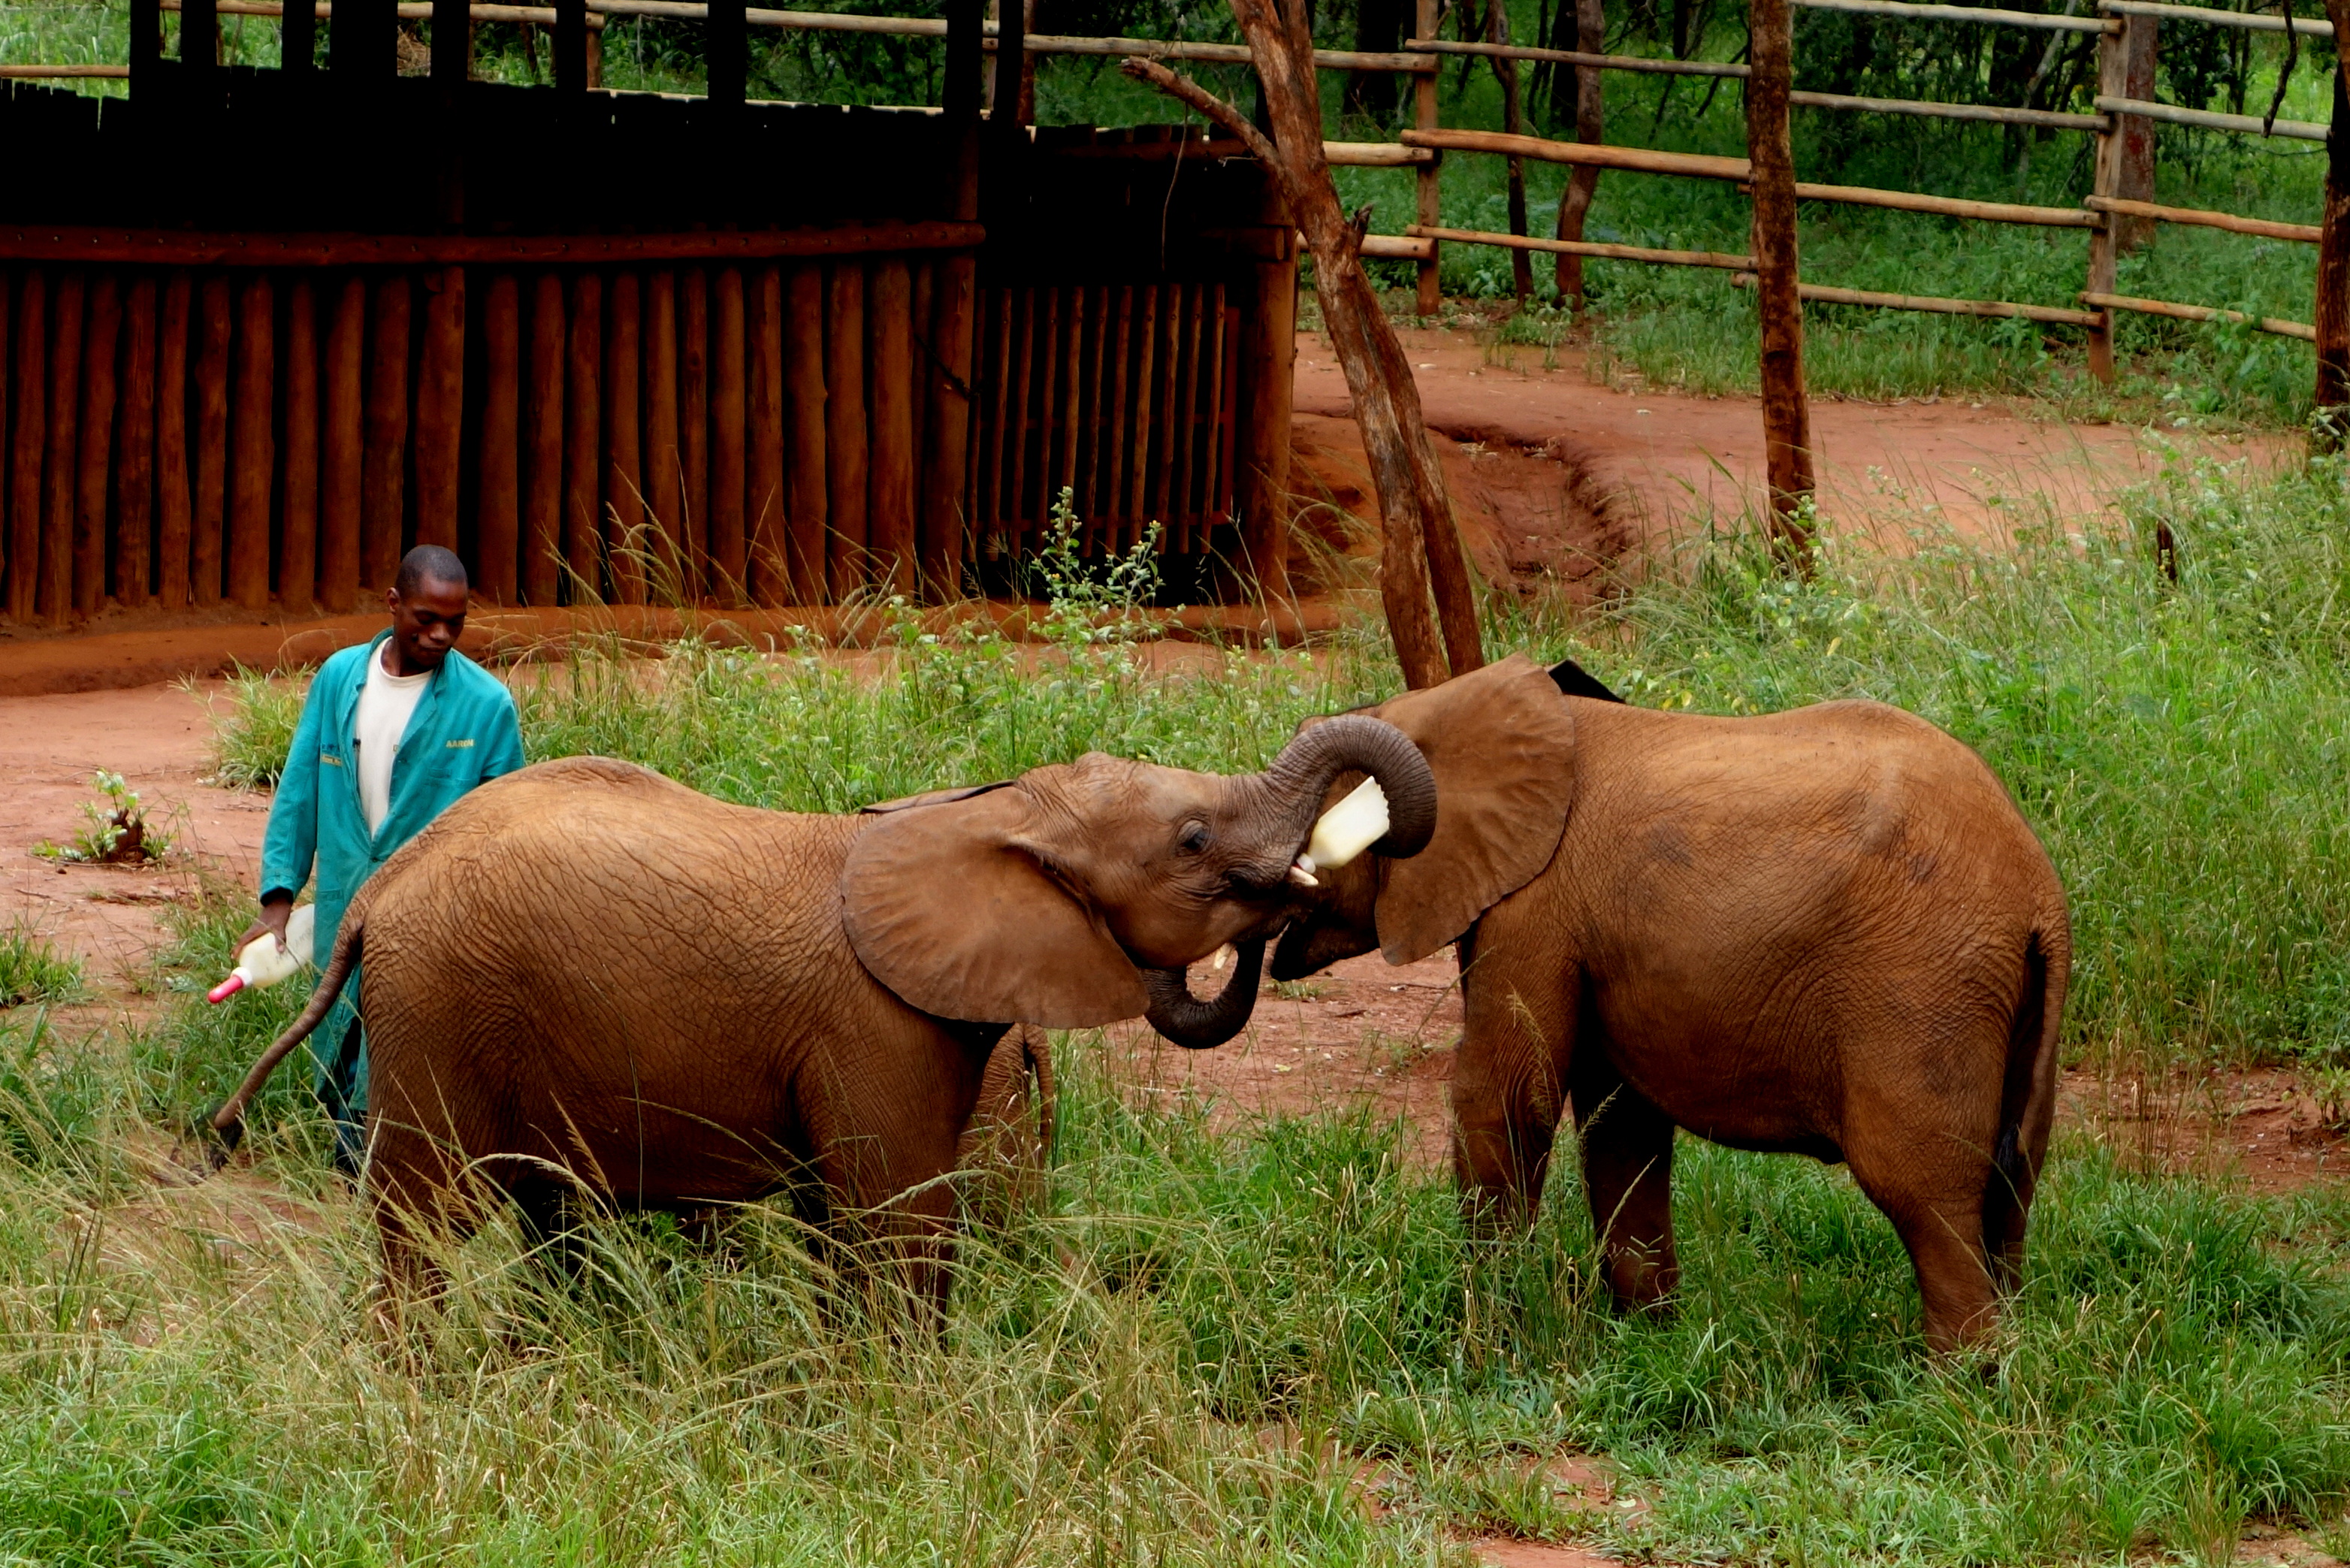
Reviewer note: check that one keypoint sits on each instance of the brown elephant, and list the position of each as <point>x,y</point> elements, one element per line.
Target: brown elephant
<point>584,975</point>
<point>1826,931</point>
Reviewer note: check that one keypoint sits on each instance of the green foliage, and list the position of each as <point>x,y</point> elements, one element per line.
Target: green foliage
<point>250,752</point>
<point>114,829</point>
<point>31,970</point>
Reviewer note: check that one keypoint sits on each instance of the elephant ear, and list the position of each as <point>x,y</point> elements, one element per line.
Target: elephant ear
<point>1501,741</point>
<point>949,906</point>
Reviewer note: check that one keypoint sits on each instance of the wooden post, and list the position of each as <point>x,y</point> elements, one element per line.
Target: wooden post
<point>59,489</point>
<point>2333,318</point>
<point>452,63</point>
<point>1109,505</point>
<point>135,485</point>
<point>726,45</point>
<point>845,428</point>
<point>30,439</point>
<point>362,44</point>
<point>808,508</point>
<point>497,496</point>
<point>253,463</point>
<point>297,558</point>
<point>727,576</point>
<point>952,321</point>
<point>341,481</point>
<point>1005,110</point>
<point>664,474</point>
<point>6,551</point>
<point>890,514</point>
<point>101,338</point>
<point>583,442</point>
<point>571,48</point>
<point>2124,168</point>
<point>624,472</point>
<point>1590,125</point>
<point>383,492</point>
<point>542,495</point>
<point>767,562</point>
<point>145,44</point>
<point>1139,411</point>
<point>692,532</point>
<point>174,494</point>
<point>200,37</point>
<point>1429,188</point>
<point>216,325</point>
<point>439,406</point>
<point>1497,31</point>
<point>1268,371</point>
<point>297,48</point>
<point>1786,410</point>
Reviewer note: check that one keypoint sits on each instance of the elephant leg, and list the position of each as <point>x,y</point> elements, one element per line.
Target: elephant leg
<point>1941,1224</point>
<point>411,1212</point>
<point>1627,1175</point>
<point>1507,1083</point>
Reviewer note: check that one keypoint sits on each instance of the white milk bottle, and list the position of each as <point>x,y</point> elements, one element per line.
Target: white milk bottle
<point>262,964</point>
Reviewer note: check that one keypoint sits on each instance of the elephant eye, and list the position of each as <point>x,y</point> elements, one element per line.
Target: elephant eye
<point>1193,838</point>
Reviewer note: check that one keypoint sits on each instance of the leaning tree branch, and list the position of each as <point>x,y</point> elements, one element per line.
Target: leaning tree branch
<point>1183,88</point>
<point>1421,548</point>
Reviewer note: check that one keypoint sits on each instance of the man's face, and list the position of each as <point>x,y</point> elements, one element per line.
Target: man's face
<point>425,623</point>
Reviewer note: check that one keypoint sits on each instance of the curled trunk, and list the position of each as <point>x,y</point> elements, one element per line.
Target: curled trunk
<point>1302,775</point>
<point>1197,1025</point>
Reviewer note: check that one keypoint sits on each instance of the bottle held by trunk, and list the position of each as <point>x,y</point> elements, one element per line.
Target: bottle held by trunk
<point>261,963</point>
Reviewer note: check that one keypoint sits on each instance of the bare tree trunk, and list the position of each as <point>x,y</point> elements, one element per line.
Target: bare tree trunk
<point>1421,549</point>
<point>1497,31</point>
<point>1590,125</point>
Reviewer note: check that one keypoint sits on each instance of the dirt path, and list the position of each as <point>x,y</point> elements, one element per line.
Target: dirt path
<point>1659,455</point>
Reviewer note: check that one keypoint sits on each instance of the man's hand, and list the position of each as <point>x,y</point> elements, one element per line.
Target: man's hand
<point>276,909</point>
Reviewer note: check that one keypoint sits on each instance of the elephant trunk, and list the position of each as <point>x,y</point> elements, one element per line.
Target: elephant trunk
<point>1197,1025</point>
<point>1301,777</point>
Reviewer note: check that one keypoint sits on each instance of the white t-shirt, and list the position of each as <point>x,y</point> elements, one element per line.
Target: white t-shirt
<point>386,701</point>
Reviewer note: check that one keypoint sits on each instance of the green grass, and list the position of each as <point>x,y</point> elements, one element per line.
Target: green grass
<point>33,972</point>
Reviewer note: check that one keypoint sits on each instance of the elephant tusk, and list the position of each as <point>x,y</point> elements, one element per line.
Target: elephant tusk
<point>1301,875</point>
<point>1223,956</point>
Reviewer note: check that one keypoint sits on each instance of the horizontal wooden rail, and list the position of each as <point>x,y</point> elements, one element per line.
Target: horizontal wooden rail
<point>2048,22</point>
<point>1373,155</point>
<point>2267,229</point>
<point>1993,113</point>
<point>2209,119</point>
<point>1949,206</point>
<point>2307,27</point>
<point>1824,294</point>
<point>411,11</point>
<point>1578,57</point>
<point>178,247</point>
<point>1393,247</point>
<point>1640,159</point>
<point>1923,108</point>
<point>57,73</point>
<point>1596,155</point>
<point>1581,248</point>
<point>2176,312</point>
<point>1036,43</point>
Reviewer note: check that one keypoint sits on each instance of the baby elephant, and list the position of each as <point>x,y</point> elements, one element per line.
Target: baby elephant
<point>584,976</point>
<point>1826,931</point>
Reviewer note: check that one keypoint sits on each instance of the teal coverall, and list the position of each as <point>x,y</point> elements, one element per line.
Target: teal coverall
<point>463,733</point>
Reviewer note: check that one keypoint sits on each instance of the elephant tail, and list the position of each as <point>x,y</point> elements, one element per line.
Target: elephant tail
<point>2027,1098</point>
<point>223,1127</point>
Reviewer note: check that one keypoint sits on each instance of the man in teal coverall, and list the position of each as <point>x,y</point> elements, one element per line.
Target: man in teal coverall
<point>390,735</point>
